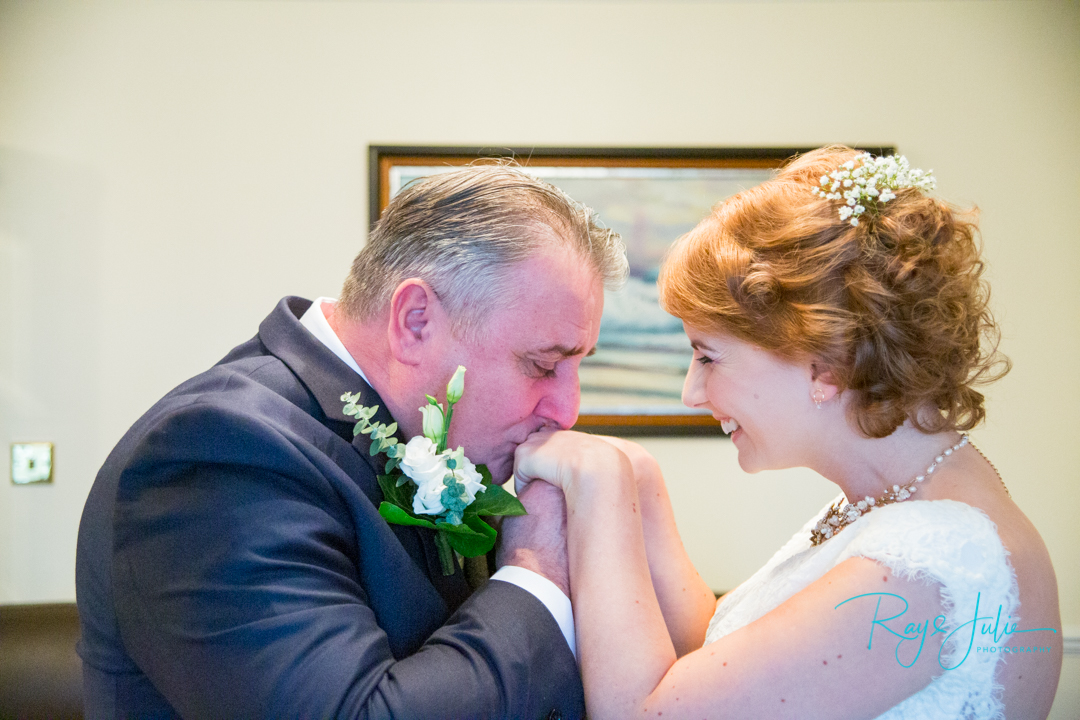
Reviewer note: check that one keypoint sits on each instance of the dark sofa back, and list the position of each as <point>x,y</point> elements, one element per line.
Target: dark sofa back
<point>40,674</point>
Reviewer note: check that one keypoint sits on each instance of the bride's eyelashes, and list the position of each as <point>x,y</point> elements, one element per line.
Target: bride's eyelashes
<point>706,353</point>
<point>714,358</point>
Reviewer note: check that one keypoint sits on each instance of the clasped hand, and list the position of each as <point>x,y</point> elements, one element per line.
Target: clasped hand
<point>577,463</point>
<point>567,463</point>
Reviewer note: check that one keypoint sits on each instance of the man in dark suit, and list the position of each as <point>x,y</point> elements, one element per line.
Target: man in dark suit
<point>231,560</point>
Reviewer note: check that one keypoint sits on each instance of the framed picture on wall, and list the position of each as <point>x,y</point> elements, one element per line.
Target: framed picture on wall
<point>632,385</point>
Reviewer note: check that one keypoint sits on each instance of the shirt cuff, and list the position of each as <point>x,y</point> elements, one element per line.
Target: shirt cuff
<point>547,593</point>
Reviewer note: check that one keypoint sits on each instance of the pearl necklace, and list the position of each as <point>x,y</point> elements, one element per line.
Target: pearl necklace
<point>837,517</point>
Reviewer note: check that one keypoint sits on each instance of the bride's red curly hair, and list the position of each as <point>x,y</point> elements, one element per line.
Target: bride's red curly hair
<point>895,309</point>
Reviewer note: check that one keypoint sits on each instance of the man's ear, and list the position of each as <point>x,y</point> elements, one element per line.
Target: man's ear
<point>417,320</point>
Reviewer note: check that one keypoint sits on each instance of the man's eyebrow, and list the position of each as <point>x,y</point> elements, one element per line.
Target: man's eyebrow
<point>566,351</point>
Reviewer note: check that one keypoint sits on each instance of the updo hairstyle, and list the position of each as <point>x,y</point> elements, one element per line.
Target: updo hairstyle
<point>894,309</point>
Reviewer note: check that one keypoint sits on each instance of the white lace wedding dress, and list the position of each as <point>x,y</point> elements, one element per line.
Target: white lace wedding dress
<point>941,541</point>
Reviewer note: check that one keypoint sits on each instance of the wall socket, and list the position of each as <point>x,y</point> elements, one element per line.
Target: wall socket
<point>31,463</point>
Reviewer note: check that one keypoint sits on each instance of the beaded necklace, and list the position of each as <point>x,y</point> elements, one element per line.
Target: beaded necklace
<point>992,467</point>
<point>837,517</point>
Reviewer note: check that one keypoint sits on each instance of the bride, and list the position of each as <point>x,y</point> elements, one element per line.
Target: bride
<point>838,322</point>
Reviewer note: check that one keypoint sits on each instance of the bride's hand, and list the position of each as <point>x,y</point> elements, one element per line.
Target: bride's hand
<point>569,460</point>
<point>646,470</point>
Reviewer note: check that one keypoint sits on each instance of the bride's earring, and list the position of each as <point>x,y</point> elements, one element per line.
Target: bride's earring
<point>818,397</point>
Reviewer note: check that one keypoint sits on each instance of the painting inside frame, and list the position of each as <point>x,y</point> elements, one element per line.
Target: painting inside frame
<point>632,385</point>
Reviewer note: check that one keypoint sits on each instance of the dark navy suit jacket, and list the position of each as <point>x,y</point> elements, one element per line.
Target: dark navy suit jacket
<point>232,563</point>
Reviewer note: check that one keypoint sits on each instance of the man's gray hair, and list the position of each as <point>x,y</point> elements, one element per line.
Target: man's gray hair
<point>462,231</point>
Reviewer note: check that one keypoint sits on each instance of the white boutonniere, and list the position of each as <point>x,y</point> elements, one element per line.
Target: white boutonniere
<point>427,484</point>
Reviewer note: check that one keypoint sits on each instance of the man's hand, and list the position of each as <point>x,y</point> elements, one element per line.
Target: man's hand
<point>537,541</point>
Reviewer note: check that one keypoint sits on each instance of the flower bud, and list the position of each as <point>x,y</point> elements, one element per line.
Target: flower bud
<point>456,387</point>
<point>433,422</point>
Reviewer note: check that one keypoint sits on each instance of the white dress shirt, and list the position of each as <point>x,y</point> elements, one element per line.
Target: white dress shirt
<point>539,586</point>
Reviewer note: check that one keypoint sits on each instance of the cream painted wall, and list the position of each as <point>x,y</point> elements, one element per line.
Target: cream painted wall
<point>169,169</point>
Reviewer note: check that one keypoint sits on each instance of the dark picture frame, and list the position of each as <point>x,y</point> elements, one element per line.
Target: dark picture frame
<point>651,196</point>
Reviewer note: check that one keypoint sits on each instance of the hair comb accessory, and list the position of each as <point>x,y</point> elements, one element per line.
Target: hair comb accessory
<point>874,181</point>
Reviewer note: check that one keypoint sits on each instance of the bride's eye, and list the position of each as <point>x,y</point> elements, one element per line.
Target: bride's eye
<point>704,360</point>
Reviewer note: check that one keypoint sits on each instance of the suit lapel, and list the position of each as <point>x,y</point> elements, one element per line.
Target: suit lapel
<point>326,377</point>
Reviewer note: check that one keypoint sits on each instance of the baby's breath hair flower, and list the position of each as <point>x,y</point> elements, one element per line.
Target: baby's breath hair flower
<point>873,182</point>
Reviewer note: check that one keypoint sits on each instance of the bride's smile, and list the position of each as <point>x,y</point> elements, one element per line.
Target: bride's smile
<point>763,401</point>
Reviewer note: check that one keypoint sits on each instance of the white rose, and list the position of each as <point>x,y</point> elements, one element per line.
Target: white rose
<point>468,476</point>
<point>428,500</point>
<point>427,470</point>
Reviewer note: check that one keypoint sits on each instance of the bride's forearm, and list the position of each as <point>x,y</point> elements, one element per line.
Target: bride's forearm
<point>685,599</point>
<point>688,603</point>
<point>622,636</point>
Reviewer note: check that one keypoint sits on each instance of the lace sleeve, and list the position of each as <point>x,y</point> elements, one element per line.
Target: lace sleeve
<point>957,547</point>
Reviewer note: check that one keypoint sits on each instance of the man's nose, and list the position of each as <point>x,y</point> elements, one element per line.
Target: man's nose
<point>560,404</point>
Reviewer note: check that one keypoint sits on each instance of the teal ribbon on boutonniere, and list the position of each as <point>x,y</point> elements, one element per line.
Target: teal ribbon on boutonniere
<point>428,485</point>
